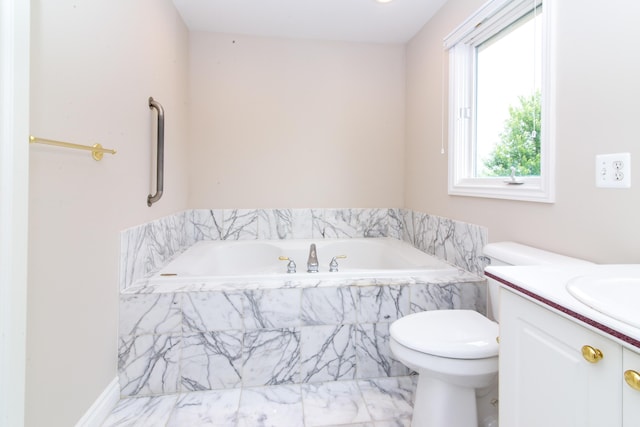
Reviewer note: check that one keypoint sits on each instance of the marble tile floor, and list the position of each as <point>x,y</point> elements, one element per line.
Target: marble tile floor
<point>380,402</point>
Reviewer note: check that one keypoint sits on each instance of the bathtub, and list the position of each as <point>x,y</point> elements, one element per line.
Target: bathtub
<point>259,260</point>
<point>226,314</point>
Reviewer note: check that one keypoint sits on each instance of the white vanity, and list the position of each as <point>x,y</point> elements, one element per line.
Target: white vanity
<point>569,359</point>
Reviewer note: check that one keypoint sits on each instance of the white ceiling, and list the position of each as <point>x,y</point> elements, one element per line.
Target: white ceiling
<point>345,20</point>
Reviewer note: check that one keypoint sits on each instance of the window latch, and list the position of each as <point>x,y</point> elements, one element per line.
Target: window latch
<point>465,113</point>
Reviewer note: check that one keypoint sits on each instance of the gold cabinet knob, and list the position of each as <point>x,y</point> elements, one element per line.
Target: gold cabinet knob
<point>591,354</point>
<point>633,379</point>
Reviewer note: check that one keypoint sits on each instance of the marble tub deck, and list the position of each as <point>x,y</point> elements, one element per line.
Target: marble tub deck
<point>379,402</point>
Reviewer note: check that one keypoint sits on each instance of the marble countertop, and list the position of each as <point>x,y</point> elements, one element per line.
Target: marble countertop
<point>546,285</point>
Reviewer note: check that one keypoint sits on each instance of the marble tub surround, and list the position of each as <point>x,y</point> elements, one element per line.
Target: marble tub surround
<point>181,336</point>
<point>458,243</point>
<point>379,402</point>
<point>173,342</point>
<point>148,247</point>
<point>186,284</point>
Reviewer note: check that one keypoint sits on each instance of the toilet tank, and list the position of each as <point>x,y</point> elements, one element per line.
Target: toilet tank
<point>511,253</point>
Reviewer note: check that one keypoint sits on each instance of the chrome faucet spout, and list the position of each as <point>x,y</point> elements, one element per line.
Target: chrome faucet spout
<point>312,262</point>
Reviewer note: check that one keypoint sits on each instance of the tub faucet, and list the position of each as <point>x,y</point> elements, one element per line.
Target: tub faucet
<point>333,265</point>
<point>312,262</point>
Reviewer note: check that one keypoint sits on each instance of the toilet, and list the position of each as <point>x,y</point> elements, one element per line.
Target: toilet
<point>455,352</point>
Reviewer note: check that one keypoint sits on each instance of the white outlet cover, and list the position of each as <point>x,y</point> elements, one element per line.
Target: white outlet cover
<point>613,170</point>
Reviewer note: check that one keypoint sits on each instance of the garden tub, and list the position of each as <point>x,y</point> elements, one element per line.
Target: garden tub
<point>268,260</point>
<point>226,314</point>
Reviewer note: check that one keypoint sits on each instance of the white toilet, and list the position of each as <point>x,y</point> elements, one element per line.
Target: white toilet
<point>455,352</point>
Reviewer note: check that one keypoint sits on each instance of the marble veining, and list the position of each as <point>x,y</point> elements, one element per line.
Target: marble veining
<point>224,339</point>
<point>329,306</point>
<point>207,224</point>
<point>397,226</point>
<point>190,285</point>
<point>334,403</point>
<point>146,248</point>
<point>212,409</point>
<point>211,360</point>
<point>198,313</point>
<point>270,406</point>
<point>272,308</point>
<point>373,354</point>
<point>149,314</point>
<point>453,241</point>
<point>290,223</point>
<point>328,353</point>
<point>389,398</point>
<point>148,364</point>
<point>376,402</point>
<point>142,411</point>
<point>446,296</point>
<point>340,223</point>
<point>240,224</point>
<point>199,336</point>
<point>271,356</point>
<point>383,303</point>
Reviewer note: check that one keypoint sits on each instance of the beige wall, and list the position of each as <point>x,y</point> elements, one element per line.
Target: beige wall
<point>293,123</point>
<point>94,65</point>
<point>597,93</point>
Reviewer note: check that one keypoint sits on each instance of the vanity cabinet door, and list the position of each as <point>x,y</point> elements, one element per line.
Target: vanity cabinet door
<point>630,391</point>
<point>544,377</point>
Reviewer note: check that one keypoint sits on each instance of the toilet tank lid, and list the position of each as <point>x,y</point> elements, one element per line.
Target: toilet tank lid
<point>512,253</point>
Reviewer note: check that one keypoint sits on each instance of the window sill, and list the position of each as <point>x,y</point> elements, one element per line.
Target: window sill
<point>532,189</point>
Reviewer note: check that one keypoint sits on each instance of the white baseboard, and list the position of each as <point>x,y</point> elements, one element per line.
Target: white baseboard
<point>102,407</point>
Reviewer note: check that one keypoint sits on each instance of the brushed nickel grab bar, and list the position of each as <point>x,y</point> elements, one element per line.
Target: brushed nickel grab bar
<point>160,151</point>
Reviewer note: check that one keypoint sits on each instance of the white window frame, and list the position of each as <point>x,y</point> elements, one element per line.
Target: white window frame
<point>461,44</point>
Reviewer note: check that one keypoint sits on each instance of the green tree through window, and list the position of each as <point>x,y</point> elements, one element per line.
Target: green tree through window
<point>519,145</point>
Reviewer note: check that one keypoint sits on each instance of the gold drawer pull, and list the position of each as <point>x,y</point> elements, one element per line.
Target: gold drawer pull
<point>633,379</point>
<point>591,354</point>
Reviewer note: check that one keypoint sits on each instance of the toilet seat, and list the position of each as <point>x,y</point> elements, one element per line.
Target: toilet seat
<point>457,334</point>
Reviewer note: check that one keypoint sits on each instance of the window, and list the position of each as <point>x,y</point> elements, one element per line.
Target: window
<point>501,100</point>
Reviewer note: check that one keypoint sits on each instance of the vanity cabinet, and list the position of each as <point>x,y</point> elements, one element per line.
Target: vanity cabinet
<point>631,389</point>
<point>555,372</point>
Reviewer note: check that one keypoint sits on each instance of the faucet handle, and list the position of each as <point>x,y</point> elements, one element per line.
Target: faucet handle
<point>291,266</point>
<point>333,265</point>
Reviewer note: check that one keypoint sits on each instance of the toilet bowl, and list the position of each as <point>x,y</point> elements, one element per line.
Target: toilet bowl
<point>455,352</point>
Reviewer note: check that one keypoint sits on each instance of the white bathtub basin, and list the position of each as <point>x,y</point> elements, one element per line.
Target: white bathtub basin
<point>259,259</point>
<point>615,296</point>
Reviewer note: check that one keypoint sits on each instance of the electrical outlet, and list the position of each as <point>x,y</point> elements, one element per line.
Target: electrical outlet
<point>613,170</point>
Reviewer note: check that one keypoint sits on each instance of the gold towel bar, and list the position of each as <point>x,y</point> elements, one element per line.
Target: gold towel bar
<point>96,149</point>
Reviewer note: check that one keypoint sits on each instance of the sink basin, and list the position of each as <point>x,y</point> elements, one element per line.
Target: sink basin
<point>616,297</point>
